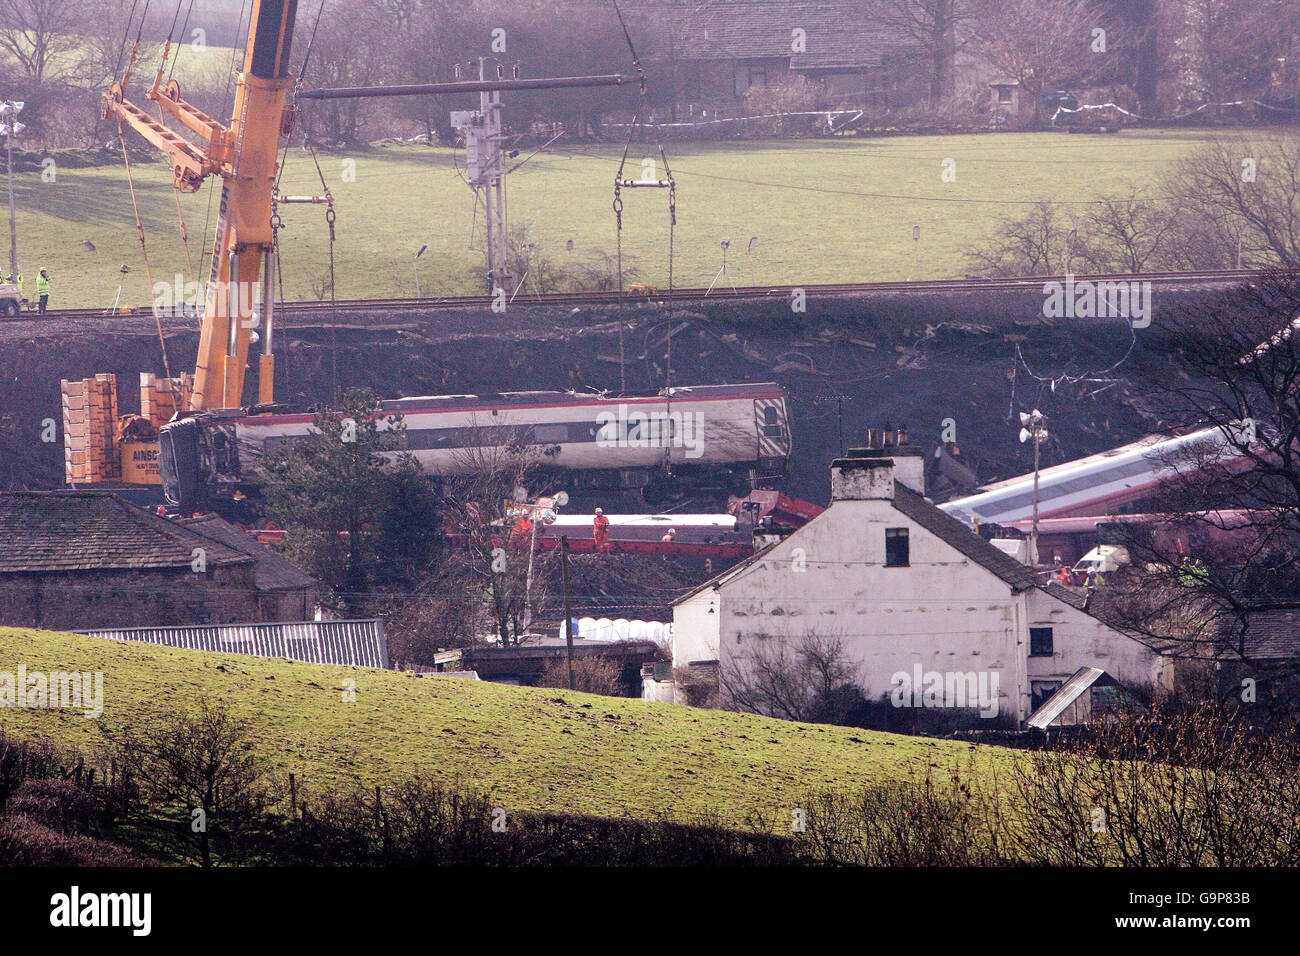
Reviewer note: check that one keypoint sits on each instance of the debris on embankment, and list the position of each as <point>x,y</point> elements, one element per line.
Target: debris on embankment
<point>961,363</point>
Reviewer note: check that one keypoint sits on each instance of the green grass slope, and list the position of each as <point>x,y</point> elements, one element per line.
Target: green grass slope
<point>528,748</point>
<point>823,211</point>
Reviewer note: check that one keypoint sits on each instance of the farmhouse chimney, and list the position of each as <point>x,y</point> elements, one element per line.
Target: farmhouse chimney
<point>870,473</point>
<point>862,475</point>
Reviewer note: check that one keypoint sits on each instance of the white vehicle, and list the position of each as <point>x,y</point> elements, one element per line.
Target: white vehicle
<point>11,300</point>
<point>1103,559</point>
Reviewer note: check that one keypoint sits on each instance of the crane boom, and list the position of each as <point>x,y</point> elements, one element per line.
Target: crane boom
<point>245,154</point>
<point>99,445</point>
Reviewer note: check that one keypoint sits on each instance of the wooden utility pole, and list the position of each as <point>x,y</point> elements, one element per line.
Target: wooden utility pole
<point>568,608</point>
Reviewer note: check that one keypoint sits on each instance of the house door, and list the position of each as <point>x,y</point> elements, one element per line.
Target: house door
<point>772,429</point>
<point>1040,690</point>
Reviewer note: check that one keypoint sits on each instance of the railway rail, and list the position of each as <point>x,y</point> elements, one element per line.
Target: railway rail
<point>307,309</point>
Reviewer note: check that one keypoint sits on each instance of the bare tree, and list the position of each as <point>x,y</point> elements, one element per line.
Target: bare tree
<point>810,678</point>
<point>1234,369</point>
<point>941,28</point>
<point>490,468</point>
<point>1232,202</point>
<point>1041,43</point>
<point>1239,199</point>
<point>1164,787</point>
<point>1129,232</point>
<point>1222,48</point>
<point>593,675</point>
<point>1036,244</point>
<point>38,33</point>
<point>202,763</point>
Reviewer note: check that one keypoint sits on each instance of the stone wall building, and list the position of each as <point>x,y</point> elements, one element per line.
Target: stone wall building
<point>90,560</point>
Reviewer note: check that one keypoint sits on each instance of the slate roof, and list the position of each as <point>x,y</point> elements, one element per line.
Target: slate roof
<point>943,526</point>
<point>955,533</point>
<point>95,531</point>
<point>1271,636</point>
<point>272,572</point>
<point>839,36</point>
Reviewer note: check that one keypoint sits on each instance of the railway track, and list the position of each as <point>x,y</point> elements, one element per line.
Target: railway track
<point>291,310</point>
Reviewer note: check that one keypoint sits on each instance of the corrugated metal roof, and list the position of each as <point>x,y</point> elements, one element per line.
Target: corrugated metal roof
<point>350,643</point>
<point>1069,692</point>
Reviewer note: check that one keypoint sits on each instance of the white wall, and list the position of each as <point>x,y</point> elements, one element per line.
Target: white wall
<point>943,612</point>
<point>1087,642</point>
<point>695,629</point>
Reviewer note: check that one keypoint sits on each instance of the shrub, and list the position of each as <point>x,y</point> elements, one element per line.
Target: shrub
<point>592,675</point>
<point>27,842</point>
<point>59,804</point>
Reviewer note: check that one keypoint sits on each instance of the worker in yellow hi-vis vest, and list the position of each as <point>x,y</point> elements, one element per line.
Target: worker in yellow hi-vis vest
<point>43,289</point>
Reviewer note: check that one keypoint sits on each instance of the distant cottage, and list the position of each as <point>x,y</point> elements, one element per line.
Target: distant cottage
<point>91,560</point>
<point>727,49</point>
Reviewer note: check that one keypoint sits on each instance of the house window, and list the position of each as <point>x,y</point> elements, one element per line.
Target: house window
<point>757,76</point>
<point>896,548</point>
<point>1040,642</point>
<point>1004,94</point>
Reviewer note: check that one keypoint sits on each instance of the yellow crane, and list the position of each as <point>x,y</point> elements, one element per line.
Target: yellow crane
<point>245,154</point>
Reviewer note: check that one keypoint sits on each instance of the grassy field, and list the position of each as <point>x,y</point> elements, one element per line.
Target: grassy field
<point>528,748</point>
<point>823,211</point>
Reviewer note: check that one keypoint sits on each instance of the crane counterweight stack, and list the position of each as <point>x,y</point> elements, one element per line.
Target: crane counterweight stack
<point>240,289</point>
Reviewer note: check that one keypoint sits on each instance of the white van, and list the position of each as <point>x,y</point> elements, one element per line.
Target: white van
<point>1102,559</point>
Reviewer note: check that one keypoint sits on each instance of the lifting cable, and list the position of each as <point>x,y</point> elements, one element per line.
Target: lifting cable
<point>176,192</point>
<point>135,204</point>
<point>620,182</point>
<point>334,316</point>
<point>144,251</point>
<point>277,222</point>
<point>225,104</point>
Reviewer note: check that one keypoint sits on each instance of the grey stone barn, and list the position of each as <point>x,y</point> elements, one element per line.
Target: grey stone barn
<point>90,560</point>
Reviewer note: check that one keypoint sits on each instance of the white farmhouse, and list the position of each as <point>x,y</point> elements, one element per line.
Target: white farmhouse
<point>910,591</point>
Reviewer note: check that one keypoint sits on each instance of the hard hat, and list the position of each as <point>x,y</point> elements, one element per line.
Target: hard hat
<point>599,512</point>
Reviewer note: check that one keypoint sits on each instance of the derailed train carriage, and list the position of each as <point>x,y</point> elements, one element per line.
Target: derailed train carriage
<point>704,438</point>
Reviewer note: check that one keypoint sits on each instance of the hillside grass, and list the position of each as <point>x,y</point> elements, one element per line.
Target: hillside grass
<point>822,210</point>
<point>527,748</point>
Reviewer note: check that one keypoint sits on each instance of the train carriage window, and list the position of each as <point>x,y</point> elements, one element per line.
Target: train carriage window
<point>550,434</point>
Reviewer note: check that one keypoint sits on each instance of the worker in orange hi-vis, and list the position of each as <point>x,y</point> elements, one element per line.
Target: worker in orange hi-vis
<point>669,536</point>
<point>600,531</point>
<point>522,531</point>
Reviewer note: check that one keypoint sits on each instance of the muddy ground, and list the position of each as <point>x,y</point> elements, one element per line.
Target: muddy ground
<point>848,364</point>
